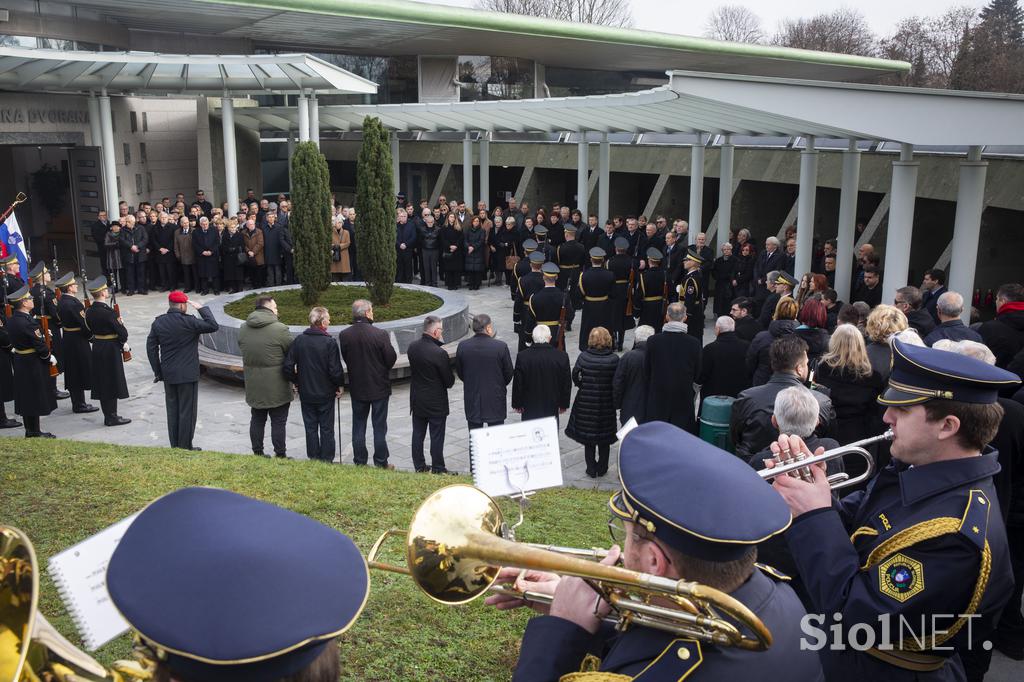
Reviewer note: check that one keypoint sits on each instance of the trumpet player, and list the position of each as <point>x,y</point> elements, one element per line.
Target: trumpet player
<point>671,519</point>
<point>918,562</point>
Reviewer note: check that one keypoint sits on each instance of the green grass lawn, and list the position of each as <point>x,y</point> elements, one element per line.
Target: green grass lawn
<point>338,300</point>
<point>61,492</point>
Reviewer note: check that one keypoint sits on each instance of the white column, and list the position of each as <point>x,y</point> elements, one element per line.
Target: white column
<point>94,130</point>
<point>291,153</point>
<point>901,224</point>
<point>725,193</point>
<point>805,209</point>
<point>109,162</point>
<point>303,107</point>
<point>467,170</point>
<point>395,164</point>
<point>696,187</point>
<point>485,169</point>
<point>227,111</point>
<point>314,120</point>
<point>582,175</point>
<point>847,220</point>
<point>970,202</point>
<point>603,179</point>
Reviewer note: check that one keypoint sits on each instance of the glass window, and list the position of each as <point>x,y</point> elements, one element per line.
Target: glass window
<point>133,121</point>
<point>17,41</point>
<point>483,78</point>
<point>563,82</point>
<point>145,122</point>
<point>138,183</point>
<point>127,153</point>
<point>149,182</point>
<point>118,185</point>
<point>142,152</point>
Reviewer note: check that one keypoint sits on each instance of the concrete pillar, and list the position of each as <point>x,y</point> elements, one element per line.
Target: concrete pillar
<point>485,169</point>
<point>94,121</point>
<point>901,224</point>
<point>805,209</point>
<point>696,187</point>
<point>970,202</point>
<point>467,170</point>
<point>303,107</point>
<point>604,180</point>
<point>847,220</point>
<point>109,162</point>
<point>314,120</point>
<point>582,173</point>
<point>291,153</point>
<point>395,164</point>
<point>227,110</point>
<point>725,193</point>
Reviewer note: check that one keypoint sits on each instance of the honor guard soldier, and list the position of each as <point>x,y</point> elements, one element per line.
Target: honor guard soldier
<point>199,622</point>
<point>670,519</point>
<point>621,265</point>
<point>597,284</point>
<point>784,284</point>
<point>6,362</point>
<point>571,257</point>
<point>550,306</point>
<point>109,342</point>
<point>33,394</point>
<point>77,349</point>
<point>522,267</point>
<point>918,562</point>
<point>45,305</point>
<point>11,280</point>
<point>692,293</point>
<point>541,233</point>
<point>529,284</point>
<point>649,293</point>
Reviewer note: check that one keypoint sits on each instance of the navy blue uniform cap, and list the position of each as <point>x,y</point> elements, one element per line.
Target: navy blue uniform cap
<point>921,374</point>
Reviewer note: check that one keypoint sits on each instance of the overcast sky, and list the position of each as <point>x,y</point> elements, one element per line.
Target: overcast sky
<point>689,18</point>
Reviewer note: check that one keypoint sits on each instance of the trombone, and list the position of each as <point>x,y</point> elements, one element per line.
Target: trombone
<point>457,542</point>
<point>798,464</point>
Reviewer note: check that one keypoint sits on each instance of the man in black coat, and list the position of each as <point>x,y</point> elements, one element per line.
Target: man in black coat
<point>542,380</point>
<point>484,365</point>
<point>109,343</point>
<point>75,344</point>
<point>870,290</point>
<point>649,293</point>
<point>933,285</point>
<point>672,365</point>
<point>908,299</point>
<point>766,261</point>
<point>550,306</point>
<point>720,373</point>
<point>33,395</point>
<point>596,287</point>
<point>206,244</point>
<point>369,357</point>
<point>272,246</point>
<point>173,350</point>
<point>313,364</point>
<point>1004,335</point>
<point>629,385</point>
<point>98,231</point>
<point>742,312</point>
<point>621,265</point>
<point>134,240</point>
<point>432,376</point>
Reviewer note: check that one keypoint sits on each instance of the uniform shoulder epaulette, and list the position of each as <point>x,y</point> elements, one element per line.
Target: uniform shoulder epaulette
<point>974,522</point>
<point>676,662</point>
<point>773,572</point>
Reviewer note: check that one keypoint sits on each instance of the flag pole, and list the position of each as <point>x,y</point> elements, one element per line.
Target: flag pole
<point>18,199</point>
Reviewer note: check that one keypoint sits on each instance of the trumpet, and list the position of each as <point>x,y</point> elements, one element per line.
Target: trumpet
<point>458,541</point>
<point>798,464</point>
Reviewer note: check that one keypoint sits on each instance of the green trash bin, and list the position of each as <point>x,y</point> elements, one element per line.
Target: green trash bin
<point>714,421</point>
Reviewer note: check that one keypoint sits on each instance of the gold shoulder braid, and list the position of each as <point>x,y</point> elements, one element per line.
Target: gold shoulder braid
<point>594,677</point>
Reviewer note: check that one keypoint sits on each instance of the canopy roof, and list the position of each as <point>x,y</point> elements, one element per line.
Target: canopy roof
<point>710,103</point>
<point>143,73</point>
<point>400,27</point>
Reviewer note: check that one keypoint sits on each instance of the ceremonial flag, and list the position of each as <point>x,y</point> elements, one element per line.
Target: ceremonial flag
<point>10,235</point>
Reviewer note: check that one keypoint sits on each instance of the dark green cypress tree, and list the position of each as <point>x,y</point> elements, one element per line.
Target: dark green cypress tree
<point>311,220</point>
<point>1004,19</point>
<point>375,212</point>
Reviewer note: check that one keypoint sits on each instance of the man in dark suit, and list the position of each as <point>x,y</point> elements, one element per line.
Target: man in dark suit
<point>742,311</point>
<point>98,231</point>
<point>484,365</point>
<point>933,285</point>
<point>313,365</point>
<point>870,290</point>
<point>672,364</point>
<point>173,350</point>
<point>720,374</point>
<point>405,243</point>
<point>908,299</point>
<point>542,380</point>
<point>770,259</point>
<point>432,376</point>
<point>673,260</point>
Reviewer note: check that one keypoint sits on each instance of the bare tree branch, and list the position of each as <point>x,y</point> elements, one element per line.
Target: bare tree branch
<point>602,12</point>
<point>734,23</point>
<point>843,30</point>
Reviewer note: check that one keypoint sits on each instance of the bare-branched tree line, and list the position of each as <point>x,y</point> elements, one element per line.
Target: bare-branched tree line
<point>601,12</point>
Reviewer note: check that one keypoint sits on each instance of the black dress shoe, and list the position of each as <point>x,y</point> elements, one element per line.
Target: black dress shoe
<point>84,408</point>
<point>195,449</point>
<point>61,395</point>
<point>8,423</point>
<point>280,455</point>
<point>116,421</point>
<point>39,434</point>
<point>261,454</point>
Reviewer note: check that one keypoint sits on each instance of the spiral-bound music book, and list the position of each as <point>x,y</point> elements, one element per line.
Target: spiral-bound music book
<point>515,457</point>
<point>80,573</point>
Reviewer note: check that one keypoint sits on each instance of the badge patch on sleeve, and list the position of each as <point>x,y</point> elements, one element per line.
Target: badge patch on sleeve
<point>900,577</point>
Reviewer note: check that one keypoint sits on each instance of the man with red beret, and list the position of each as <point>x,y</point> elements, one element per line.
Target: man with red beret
<point>173,350</point>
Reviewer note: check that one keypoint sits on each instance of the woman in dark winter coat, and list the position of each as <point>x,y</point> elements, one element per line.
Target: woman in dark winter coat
<point>592,420</point>
<point>743,273</point>
<point>758,354</point>
<point>475,239</point>
<point>232,243</point>
<point>813,318</point>
<point>724,271</point>
<point>509,243</point>
<point>452,252</point>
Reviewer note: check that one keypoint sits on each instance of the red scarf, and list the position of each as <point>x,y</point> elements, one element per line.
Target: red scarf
<point>1011,307</point>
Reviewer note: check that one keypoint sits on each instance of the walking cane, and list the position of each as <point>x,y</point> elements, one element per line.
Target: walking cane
<point>337,406</point>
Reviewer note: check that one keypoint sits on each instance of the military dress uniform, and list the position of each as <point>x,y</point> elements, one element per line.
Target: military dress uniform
<point>679,501</point>
<point>547,305</point>
<point>109,336</point>
<point>692,290</point>
<point>6,361</point>
<point>918,543</point>
<point>77,349</point>
<point>649,293</point>
<point>543,245</point>
<point>33,396</point>
<point>45,306</point>
<point>621,265</point>
<point>521,268</point>
<point>529,284</point>
<point>596,286</point>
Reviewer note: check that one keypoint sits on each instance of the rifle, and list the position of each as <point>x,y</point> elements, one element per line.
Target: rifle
<point>48,337</point>
<point>664,298</point>
<point>560,342</point>
<point>85,290</point>
<point>629,293</point>
<point>56,268</point>
<point>126,355</point>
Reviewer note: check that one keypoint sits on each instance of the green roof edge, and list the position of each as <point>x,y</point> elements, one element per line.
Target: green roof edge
<point>461,17</point>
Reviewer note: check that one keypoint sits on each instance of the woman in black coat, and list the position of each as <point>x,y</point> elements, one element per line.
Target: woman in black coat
<point>743,275</point>
<point>509,242</point>
<point>452,252</point>
<point>233,243</point>
<point>724,270</point>
<point>592,420</point>
<point>759,362</point>
<point>475,240</point>
<point>813,318</point>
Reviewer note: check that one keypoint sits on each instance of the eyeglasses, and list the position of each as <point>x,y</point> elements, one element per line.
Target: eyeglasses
<point>617,531</point>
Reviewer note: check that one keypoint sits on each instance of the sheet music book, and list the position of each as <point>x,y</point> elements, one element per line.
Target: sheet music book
<point>80,573</point>
<point>517,456</point>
